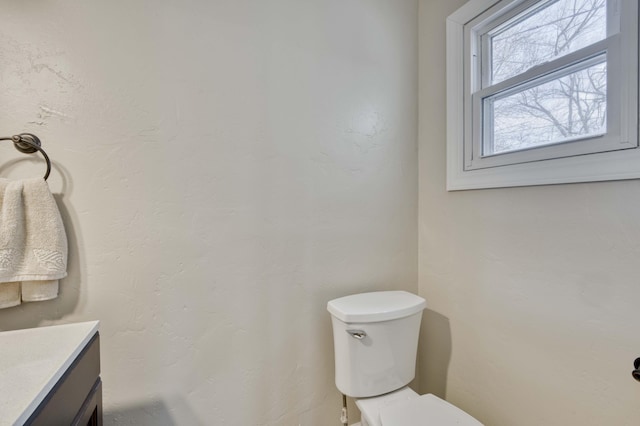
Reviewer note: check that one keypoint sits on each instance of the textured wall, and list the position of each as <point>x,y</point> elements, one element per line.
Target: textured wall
<point>533,291</point>
<point>224,169</point>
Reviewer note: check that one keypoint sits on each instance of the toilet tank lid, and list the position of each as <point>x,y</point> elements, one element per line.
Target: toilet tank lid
<point>376,306</point>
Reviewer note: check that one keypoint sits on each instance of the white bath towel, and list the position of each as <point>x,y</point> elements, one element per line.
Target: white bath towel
<point>33,243</point>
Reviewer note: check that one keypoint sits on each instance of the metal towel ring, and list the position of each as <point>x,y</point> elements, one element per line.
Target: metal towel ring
<point>29,143</point>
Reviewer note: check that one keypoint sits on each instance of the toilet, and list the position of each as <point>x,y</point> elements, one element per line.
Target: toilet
<point>375,339</point>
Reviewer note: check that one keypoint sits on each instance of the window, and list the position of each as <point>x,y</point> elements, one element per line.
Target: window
<point>542,91</point>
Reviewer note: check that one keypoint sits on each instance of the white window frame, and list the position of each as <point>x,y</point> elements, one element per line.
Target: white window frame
<point>611,156</point>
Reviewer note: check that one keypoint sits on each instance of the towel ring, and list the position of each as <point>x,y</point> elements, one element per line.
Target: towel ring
<point>29,143</point>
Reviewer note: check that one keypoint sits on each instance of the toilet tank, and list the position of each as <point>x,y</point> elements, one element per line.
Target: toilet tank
<point>375,338</point>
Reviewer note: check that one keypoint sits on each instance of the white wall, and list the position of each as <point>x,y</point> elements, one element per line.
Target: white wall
<point>224,169</point>
<point>533,292</point>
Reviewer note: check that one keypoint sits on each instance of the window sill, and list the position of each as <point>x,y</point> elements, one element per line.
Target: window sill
<point>616,165</point>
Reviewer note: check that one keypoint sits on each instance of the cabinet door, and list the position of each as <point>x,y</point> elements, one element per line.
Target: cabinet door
<point>91,412</point>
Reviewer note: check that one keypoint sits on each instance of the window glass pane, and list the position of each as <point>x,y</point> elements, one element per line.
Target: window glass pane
<point>569,107</point>
<point>544,33</point>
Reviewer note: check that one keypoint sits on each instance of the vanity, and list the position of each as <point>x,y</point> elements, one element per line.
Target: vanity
<point>51,376</point>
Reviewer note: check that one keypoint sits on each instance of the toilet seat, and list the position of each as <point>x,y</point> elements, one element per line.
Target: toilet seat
<point>370,407</point>
<point>425,410</point>
<point>405,407</point>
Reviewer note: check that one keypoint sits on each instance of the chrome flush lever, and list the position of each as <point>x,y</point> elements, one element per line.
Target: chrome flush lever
<point>358,334</point>
<point>636,372</point>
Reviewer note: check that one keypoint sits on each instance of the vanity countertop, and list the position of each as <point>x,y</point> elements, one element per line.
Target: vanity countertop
<point>31,363</point>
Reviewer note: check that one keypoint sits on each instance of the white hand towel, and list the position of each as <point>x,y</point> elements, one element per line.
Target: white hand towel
<point>33,243</point>
<point>9,295</point>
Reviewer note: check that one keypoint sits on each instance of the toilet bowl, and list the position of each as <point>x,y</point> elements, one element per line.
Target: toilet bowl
<point>375,338</point>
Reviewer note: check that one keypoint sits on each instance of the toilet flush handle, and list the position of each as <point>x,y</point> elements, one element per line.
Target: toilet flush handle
<point>358,334</point>
<point>636,372</point>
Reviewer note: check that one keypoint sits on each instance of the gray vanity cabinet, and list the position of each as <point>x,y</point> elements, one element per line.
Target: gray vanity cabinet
<point>76,399</point>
